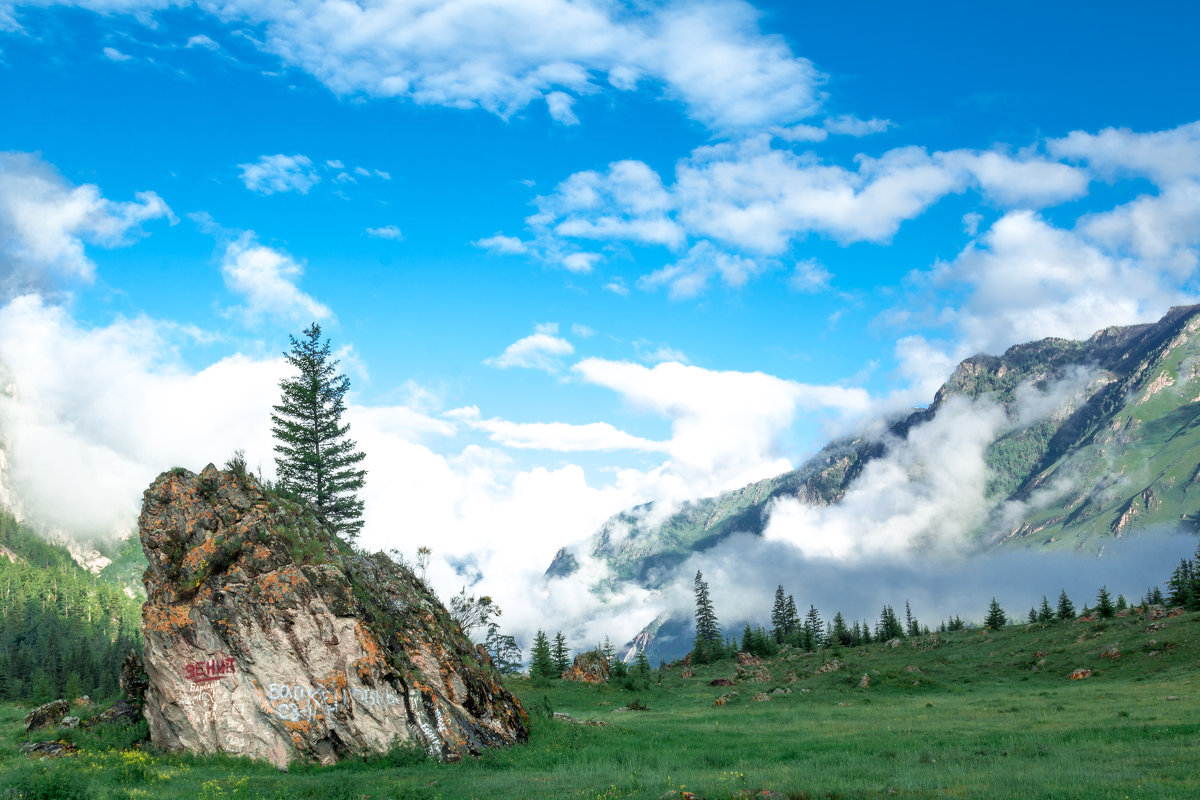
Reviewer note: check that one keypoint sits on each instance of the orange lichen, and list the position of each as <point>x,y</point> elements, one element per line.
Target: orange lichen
<point>166,618</point>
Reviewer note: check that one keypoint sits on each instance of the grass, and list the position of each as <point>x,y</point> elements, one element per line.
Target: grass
<point>972,718</point>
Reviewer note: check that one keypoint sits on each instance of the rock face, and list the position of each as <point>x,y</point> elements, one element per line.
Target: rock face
<point>590,667</point>
<point>265,636</point>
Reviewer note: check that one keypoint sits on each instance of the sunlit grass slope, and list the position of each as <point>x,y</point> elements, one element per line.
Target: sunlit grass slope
<point>965,714</point>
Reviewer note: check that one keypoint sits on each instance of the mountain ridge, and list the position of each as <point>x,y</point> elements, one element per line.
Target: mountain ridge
<point>1083,452</point>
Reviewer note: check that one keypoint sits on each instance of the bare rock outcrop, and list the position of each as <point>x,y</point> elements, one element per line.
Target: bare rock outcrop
<point>590,667</point>
<point>266,636</point>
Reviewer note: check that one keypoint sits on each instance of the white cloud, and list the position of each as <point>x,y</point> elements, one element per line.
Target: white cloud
<point>690,276</point>
<point>579,262</point>
<point>1028,182</point>
<point>93,415</point>
<point>556,436</point>
<point>113,54</point>
<point>386,232</point>
<point>267,278</point>
<point>542,350</point>
<point>201,40</point>
<point>1163,156</point>
<point>334,163</point>
<point>1027,280</point>
<point>559,104</point>
<point>46,223</point>
<point>279,173</point>
<point>502,55</point>
<point>810,276</point>
<point>753,197</point>
<point>627,201</point>
<point>725,426</point>
<point>507,245</point>
<point>850,125</point>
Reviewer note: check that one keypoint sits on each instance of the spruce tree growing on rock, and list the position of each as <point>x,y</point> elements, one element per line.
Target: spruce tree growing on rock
<point>315,460</point>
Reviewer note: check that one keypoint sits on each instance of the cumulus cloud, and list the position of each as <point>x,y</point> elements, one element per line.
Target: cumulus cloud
<point>726,426</point>
<point>543,349</point>
<point>279,173</point>
<point>506,245</point>
<point>502,55</point>
<point>1162,156</point>
<point>91,416</point>
<point>735,203</point>
<point>46,223</point>
<point>627,201</point>
<point>267,279</point>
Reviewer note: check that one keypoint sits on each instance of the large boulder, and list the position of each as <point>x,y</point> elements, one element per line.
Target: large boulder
<point>590,667</point>
<point>268,637</point>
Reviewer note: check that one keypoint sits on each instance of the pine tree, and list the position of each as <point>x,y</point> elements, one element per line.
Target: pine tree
<point>1104,604</point>
<point>1031,618</point>
<point>839,633</point>
<point>779,616</point>
<point>889,626</point>
<point>315,461</point>
<point>1179,585</point>
<point>1122,603</point>
<point>541,662</point>
<point>1066,609</point>
<point>1045,613</point>
<point>560,654</point>
<point>708,630</point>
<point>791,619</point>
<point>815,628</point>
<point>996,618</point>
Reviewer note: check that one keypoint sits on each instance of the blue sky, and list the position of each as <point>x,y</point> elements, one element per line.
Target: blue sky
<point>575,255</point>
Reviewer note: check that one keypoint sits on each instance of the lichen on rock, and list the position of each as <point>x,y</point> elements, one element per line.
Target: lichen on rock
<point>267,636</point>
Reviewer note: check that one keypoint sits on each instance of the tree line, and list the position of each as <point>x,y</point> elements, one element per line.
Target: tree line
<point>811,632</point>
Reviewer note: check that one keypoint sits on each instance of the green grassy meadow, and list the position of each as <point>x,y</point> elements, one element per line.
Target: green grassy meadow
<point>962,714</point>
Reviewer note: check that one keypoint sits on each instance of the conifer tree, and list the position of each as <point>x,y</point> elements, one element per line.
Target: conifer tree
<point>708,630</point>
<point>791,619</point>
<point>996,618</point>
<point>815,628</point>
<point>839,633</point>
<point>1066,609</point>
<point>1045,613</point>
<point>1032,617</point>
<point>560,654</point>
<point>541,661</point>
<point>1104,604</point>
<point>889,626</point>
<point>779,616</point>
<point>1180,585</point>
<point>1122,603</point>
<point>315,460</point>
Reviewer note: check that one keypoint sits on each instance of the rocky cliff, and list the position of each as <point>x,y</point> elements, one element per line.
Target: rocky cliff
<point>265,636</point>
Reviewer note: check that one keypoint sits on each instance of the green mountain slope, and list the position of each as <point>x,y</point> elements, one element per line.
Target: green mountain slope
<point>1116,451</point>
<point>63,630</point>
